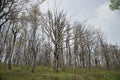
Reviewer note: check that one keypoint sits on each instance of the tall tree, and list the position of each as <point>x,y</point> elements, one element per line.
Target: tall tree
<point>56,22</point>
<point>34,19</point>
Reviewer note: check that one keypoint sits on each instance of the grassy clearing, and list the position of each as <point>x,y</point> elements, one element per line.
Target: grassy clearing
<point>43,73</point>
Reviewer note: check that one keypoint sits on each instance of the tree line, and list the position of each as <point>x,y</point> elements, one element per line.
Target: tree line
<point>29,37</point>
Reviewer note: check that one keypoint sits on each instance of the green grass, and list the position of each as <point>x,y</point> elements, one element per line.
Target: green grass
<point>43,73</point>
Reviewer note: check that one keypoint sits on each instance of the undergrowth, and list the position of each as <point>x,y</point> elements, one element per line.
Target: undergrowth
<point>44,73</point>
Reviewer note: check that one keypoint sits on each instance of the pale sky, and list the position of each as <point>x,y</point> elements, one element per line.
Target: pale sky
<point>96,11</point>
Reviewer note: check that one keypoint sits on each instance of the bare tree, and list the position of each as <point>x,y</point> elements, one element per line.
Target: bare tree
<point>34,19</point>
<point>55,28</point>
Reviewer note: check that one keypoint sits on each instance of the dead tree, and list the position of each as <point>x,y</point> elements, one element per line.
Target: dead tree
<point>34,19</point>
<point>55,28</point>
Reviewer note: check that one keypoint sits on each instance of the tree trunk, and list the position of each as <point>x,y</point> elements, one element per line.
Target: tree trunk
<point>34,64</point>
<point>56,62</point>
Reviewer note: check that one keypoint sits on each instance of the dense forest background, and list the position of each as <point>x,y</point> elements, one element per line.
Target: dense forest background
<point>30,38</point>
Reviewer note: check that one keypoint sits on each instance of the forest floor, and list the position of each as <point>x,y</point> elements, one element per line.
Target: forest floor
<point>44,73</point>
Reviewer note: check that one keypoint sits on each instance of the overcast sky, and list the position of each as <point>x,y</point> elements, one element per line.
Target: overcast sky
<point>96,11</point>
